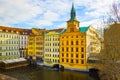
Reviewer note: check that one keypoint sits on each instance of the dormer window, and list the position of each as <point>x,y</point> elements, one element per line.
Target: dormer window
<point>6,30</point>
<point>71,29</point>
<point>0,30</point>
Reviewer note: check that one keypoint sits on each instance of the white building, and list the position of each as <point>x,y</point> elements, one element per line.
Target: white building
<point>23,40</point>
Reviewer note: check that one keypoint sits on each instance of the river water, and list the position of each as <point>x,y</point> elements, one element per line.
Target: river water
<point>40,73</point>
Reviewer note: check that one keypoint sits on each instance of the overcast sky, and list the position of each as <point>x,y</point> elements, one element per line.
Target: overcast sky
<point>51,14</point>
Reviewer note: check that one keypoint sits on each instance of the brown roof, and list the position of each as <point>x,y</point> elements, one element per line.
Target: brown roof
<point>57,30</point>
<point>20,30</point>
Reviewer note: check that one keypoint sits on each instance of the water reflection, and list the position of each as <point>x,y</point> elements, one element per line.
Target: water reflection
<point>40,73</point>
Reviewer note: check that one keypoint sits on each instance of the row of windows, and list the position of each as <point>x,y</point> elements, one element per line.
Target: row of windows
<point>52,60</point>
<point>54,44</point>
<point>9,36</point>
<point>73,61</point>
<point>72,42</point>
<point>51,50</point>
<point>73,49</point>
<point>25,37</point>
<point>9,42</point>
<point>39,48</point>
<point>10,48</point>
<point>11,53</point>
<point>39,43</point>
<point>52,39</point>
<point>73,36</point>
<point>52,55</point>
<point>23,42</point>
<point>72,55</point>
<point>39,38</point>
<point>39,53</point>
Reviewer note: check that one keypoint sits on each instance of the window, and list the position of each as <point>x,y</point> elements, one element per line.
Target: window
<point>76,49</point>
<point>82,55</point>
<point>67,49</point>
<point>76,42</point>
<point>71,49</point>
<point>62,49</point>
<point>62,54</point>
<point>71,55</point>
<point>71,29</point>
<point>67,43</point>
<point>81,42</point>
<point>71,42</point>
<point>76,61</point>
<point>76,55</point>
<point>76,36</point>
<point>82,61</point>
<point>67,60</point>
<point>82,49</point>
<point>71,60</point>
<point>62,60</point>
<point>67,55</point>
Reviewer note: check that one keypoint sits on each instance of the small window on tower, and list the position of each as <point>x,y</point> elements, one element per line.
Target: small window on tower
<point>71,29</point>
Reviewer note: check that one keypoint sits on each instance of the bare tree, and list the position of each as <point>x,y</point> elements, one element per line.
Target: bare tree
<point>108,65</point>
<point>109,59</point>
<point>114,14</point>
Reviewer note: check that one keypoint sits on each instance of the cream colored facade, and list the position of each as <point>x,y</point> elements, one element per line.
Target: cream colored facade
<point>51,49</point>
<point>13,42</point>
<point>93,41</point>
<point>9,43</point>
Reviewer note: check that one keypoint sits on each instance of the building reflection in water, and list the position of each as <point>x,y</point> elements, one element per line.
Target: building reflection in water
<point>40,73</point>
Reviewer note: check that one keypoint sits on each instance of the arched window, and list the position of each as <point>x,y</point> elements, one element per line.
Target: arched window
<point>76,42</point>
<point>71,42</point>
<point>67,43</point>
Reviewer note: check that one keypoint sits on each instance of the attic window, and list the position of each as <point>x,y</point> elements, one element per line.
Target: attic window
<point>71,29</point>
<point>6,30</point>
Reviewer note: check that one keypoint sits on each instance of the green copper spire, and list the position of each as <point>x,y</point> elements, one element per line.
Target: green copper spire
<point>73,13</point>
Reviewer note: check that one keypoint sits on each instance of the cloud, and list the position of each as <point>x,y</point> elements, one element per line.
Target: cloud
<point>50,14</point>
<point>12,11</point>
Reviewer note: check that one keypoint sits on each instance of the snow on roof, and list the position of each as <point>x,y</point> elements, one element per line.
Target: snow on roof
<point>14,60</point>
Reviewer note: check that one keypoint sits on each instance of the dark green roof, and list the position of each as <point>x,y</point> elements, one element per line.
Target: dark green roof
<point>73,14</point>
<point>63,31</point>
<point>83,29</point>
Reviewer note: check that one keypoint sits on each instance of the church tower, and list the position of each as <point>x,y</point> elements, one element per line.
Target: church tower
<point>73,23</point>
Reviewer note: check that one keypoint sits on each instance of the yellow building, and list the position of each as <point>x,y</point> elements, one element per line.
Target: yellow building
<point>51,49</point>
<point>73,45</point>
<point>77,43</point>
<point>36,44</point>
